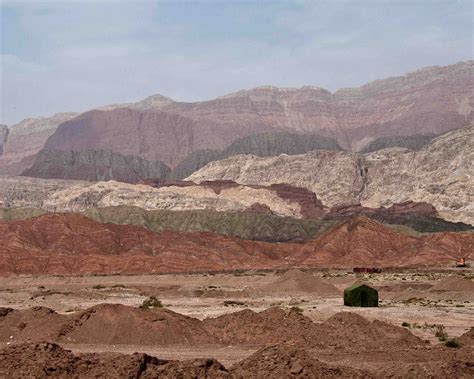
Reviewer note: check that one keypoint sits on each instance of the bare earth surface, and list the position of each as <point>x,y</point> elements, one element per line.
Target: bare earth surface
<point>255,324</point>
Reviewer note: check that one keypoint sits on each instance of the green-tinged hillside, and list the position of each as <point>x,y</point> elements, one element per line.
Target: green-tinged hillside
<point>13,214</point>
<point>246,225</point>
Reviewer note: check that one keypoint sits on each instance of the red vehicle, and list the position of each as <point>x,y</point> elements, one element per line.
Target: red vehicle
<point>367,270</point>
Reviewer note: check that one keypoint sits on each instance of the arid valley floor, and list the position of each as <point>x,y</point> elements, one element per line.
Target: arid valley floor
<point>255,324</point>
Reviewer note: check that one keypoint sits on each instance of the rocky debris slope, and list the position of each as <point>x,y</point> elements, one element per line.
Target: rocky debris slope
<point>94,165</point>
<point>4,131</point>
<point>73,245</point>
<point>442,174</point>
<point>26,139</point>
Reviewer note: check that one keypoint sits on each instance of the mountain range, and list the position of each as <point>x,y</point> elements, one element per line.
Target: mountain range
<point>262,178</point>
<point>429,101</point>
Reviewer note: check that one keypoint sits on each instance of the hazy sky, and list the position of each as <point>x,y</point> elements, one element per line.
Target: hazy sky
<point>75,55</point>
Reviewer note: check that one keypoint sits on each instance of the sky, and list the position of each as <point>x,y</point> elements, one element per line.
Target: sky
<point>73,55</point>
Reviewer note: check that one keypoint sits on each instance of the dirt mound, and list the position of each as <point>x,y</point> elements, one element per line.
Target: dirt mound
<point>34,324</point>
<point>271,326</point>
<point>467,338</point>
<point>50,360</point>
<point>296,281</point>
<point>442,368</point>
<point>350,330</point>
<point>104,324</point>
<point>120,324</point>
<point>286,361</point>
<point>454,283</point>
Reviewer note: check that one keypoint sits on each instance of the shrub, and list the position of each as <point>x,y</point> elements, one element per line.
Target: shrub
<point>297,309</point>
<point>405,324</point>
<point>440,332</point>
<point>99,286</point>
<point>452,343</point>
<point>151,302</point>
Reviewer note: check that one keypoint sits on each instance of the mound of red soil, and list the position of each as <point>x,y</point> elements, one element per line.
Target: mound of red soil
<point>350,330</point>
<point>50,360</point>
<point>104,324</point>
<point>286,361</point>
<point>112,324</point>
<point>33,324</point>
<point>452,367</point>
<point>120,324</point>
<point>296,281</point>
<point>467,338</point>
<point>271,326</point>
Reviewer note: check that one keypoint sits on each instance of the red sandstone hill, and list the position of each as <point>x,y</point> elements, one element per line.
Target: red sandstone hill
<point>362,240</point>
<point>71,244</point>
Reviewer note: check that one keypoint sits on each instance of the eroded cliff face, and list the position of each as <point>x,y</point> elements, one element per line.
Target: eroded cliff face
<point>150,134</point>
<point>26,139</point>
<point>77,196</point>
<point>429,101</point>
<point>94,165</point>
<point>442,174</point>
<point>4,130</point>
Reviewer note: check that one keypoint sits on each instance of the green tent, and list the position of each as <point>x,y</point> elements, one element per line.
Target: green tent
<point>361,295</point>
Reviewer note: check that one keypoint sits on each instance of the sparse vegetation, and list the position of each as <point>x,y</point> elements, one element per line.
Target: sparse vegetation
<point>452,343</point>
<point>440,332</point>
<point>233,302</point>
<point>118,286</point>
<point>151,302</point>
<point>406,324</point>
<point>296,309</point>
<point>98,287</point>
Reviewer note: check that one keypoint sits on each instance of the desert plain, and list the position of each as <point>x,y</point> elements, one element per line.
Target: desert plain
<point>240,324</point>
